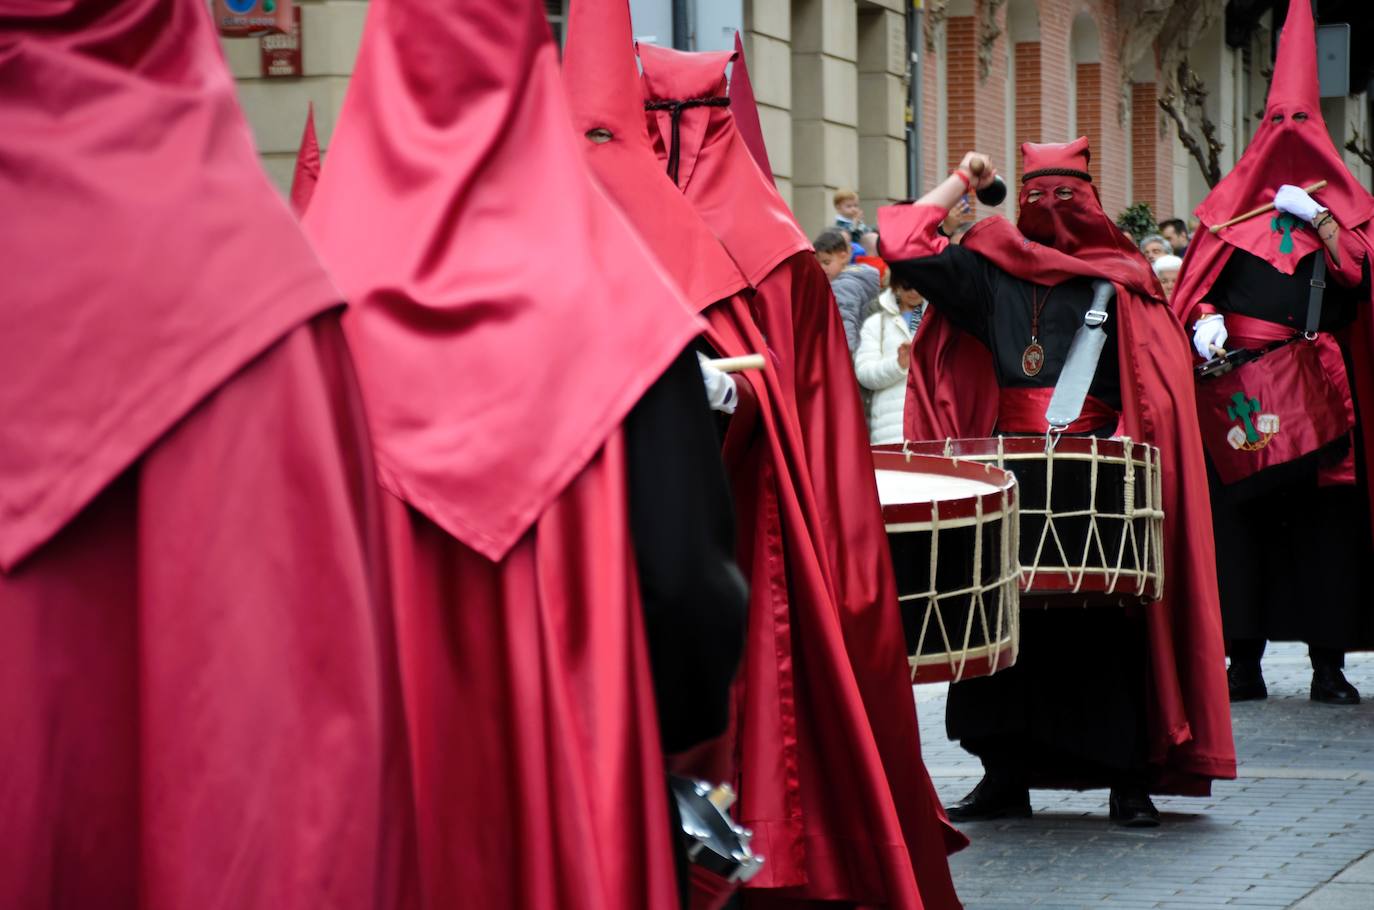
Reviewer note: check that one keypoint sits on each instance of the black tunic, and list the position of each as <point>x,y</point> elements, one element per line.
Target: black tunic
<point>1291,554</point>
<point>996,308</point>
<point>694,597</point>
<point>683,527</point>
<point>1071,711</point>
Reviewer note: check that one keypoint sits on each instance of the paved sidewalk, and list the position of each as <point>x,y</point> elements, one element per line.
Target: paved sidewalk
<point>1281,835</point>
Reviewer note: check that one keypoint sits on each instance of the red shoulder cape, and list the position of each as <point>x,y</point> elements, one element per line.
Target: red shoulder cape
<point>952,392</point>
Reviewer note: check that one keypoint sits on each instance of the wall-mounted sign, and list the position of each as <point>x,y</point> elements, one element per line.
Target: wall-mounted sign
<point>281,51</point>
<point>247,18</point>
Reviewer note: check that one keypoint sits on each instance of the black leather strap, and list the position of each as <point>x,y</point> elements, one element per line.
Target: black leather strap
<point>1314,298</point>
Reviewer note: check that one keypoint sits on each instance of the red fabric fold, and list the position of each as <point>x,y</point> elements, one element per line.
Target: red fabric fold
<point>307,172</point>
<point>115,118</point>
<point>503,371</point>
<point>198,679</point>
<point>746,110</point>
<point>952,392</point>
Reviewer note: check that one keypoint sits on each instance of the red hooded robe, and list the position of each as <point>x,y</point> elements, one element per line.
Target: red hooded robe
<point>802,721</point>
<point>952,392</point>
<point>489,282</point>
<point>1299,152</point>
<point>197,675</point>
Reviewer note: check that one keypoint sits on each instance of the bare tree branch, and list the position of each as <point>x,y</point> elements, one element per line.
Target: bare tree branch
<point>1360,145</point>
<point>1186,106</point>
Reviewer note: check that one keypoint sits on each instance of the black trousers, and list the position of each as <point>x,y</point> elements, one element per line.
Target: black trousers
<point>1293,561</point>
<point>1071,712</point>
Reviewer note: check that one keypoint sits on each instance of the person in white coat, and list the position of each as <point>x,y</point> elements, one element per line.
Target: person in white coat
<point>884,355</point>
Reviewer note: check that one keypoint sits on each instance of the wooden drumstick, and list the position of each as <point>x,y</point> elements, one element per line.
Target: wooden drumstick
<point>738,364</point>
<point>1319,185</point>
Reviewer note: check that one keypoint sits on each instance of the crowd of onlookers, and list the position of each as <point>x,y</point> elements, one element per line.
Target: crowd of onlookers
<point>881,315</point>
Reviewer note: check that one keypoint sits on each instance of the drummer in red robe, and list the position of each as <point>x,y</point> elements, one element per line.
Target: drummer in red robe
<point>198,685</point>
<point>1104,697</point>
<point>1287,465</point>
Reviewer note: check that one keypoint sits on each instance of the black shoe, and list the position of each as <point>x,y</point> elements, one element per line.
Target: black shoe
<point>994,797</point>
<point>1132,808</point>
<point>1246,682</point>
<point>1330,687</point>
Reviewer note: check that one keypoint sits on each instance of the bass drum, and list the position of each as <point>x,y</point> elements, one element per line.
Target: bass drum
<point>1092,520</point>
<point>952,528</point>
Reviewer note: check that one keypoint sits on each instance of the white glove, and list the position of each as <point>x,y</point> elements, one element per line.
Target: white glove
<point>1295,201</point>
<point>720,387</point>
<point>1209,331</point>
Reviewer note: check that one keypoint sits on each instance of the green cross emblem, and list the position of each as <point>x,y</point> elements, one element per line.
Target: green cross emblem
<point>1284,222</point>
<point>1243,409</point>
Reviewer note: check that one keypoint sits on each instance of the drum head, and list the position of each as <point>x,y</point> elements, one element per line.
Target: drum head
<point>915,489</point>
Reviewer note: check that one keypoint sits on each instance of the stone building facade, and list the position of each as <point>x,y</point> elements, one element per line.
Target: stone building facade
<point>831,79</point>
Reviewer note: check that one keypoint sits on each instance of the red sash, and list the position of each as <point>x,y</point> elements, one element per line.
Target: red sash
<point>1022,411</point>
<point>1277,408</point>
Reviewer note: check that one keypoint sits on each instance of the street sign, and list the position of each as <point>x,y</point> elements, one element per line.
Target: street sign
<point>281,51</point>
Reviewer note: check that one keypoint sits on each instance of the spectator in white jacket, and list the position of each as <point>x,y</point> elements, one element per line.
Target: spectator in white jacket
<point>885,354</point>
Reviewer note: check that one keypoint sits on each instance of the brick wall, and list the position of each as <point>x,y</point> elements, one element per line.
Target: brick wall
<point>1028,100</point>
<point>962,94</point>
<point>1152,170</point>
<point>1088,114</point>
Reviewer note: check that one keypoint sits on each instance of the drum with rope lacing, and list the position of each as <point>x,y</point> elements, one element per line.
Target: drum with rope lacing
<point>1092,518</point>
<point>952,527</point>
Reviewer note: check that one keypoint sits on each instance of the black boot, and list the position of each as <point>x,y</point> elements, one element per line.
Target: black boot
<point>1243,677</point>
<point>1131,807</point>
<point>998,795</point>
<point>1245,680</point>
<point>1329,684</point>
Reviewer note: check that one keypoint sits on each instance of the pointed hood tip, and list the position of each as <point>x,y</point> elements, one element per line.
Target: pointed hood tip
<point>1295,65</point>
<point>746,110</point>
<point>307,173</point>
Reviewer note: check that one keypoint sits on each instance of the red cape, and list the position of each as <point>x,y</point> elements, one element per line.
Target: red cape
<point>1296,152</point>
<point>498,356</point>
<point>814,467</point>
<point>952,392</point>
<point>197,677</point>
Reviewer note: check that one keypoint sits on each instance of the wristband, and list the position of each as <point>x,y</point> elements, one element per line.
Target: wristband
<point>964,176</point>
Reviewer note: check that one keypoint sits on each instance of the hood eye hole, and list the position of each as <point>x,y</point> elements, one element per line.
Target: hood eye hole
<point>600,135</point>
<point>1299,116</point>
<point>1277,118</point>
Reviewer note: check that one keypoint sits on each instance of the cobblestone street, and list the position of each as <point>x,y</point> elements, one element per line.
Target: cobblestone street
<point>1300,813</point>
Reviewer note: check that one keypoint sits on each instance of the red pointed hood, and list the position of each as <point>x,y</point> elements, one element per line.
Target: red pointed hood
<point>1291,145</point>
<point>746,110</point>
<point>152,258</point>
<point>307,166</point>
<point>714,168</point>
<point>603,90</point>
<point>504,316</point>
